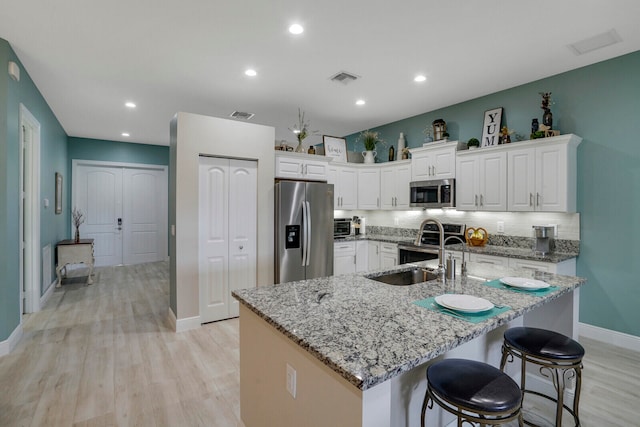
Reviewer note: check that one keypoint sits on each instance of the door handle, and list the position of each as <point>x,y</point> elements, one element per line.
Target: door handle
<point>308,232</point>
<point>537,199</point>
<point>476,199</point>
<point>481,200</point>
<point>530,199</point>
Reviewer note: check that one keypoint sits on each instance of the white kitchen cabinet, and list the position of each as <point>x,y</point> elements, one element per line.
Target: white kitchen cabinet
<point>394,185</point>
<point>373,254</point>
<point>369,187</point>
<point>542,175</point>
<point>301,166</point>
<point>436,161</point>
<point>362,256</point>
<point>489,259</point>
<point>345,185</point>
<point>481,183</point>
<point>388,254</point>
<point>567,267</point>
<point>344,258</point>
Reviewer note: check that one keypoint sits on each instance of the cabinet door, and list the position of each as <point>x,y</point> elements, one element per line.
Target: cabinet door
<point>388,255</point>
<point>344,264</point>
<point>467,183</point>
<point>287,167</point>
<point>362,256</point>
<point>551,179</point>
<point>493,182</point>
<point>369,188</point>
<point>314,170</point>
<point>387,188</point>
<point>332,178</point>
<point>444,163</point>
<point>403,177</point>
<point>421,167</point>
<point>521,180</point>
<point>374,255</point>
<point>348,183</point>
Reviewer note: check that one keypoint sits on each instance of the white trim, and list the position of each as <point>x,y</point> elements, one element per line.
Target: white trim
<point>187,324</point>
<point>32,239</point>
<point>171,318</point>
<point>611,337</point>
<point>10,343</point>
<point>47,293</point>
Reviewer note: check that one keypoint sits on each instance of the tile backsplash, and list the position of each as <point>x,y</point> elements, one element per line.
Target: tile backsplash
<point>515,223</point>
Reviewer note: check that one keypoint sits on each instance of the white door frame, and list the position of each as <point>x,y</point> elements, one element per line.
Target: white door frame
<point>30,263</point>
<point>75,163</point>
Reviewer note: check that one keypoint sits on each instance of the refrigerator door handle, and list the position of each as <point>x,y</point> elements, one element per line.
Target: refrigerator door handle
<point>308,232</point>
<point>304,234</point>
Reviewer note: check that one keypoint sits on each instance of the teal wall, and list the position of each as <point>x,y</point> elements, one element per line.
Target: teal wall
<point>600,103</point>
<point>53,158</point>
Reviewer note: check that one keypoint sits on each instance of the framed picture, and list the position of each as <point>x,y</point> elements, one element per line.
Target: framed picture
<point>58,193</point>
<point>491,127</point>
<point>335,147</point>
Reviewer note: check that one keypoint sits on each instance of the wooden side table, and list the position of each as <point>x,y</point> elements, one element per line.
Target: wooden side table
<point>70,252</point>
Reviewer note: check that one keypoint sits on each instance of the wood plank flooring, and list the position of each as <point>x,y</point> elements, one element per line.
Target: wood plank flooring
<point>103,355</point>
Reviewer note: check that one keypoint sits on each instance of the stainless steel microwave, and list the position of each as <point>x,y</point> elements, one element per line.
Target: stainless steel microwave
<point>433,194</point>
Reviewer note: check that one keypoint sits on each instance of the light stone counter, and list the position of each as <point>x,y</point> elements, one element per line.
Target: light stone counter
<point>369,332</point>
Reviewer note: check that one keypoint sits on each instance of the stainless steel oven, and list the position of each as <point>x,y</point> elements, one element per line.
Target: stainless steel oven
<point>409,252</point>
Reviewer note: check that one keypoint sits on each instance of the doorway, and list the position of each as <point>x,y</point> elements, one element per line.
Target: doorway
<point>29,227</point>
<point>125,206</point>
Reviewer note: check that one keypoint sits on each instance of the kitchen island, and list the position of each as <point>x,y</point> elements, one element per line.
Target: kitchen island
<point>353,351</point>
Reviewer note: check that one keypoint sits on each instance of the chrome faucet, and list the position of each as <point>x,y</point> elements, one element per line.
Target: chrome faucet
<point>463,267</point>
<point>441,248</point>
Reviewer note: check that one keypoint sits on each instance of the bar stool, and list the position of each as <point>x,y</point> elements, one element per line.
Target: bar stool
<point>558,355</point>
<point>473,392</point>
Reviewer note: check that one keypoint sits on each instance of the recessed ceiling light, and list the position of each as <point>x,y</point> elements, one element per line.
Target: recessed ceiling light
<point>296,29</point>
<point>251,73</point>
<point>125,134</point>
<point>419,78</point>
<point>130,104</point>
<point>360,102</point>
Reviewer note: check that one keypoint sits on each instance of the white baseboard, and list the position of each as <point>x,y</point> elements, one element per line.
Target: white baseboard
<point>608,336</point>
<point>187,323</point>
<point>47,294</point>
<point>10,343</point>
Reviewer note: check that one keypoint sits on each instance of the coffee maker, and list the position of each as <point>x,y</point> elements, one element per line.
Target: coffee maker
<point>544,239</point>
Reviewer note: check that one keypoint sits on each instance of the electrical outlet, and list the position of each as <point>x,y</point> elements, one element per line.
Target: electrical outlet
<point>396,221</point>
<point>291,381</point>
<point>500,227</point>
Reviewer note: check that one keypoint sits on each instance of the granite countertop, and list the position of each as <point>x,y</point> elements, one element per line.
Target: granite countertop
<point>369,332</point>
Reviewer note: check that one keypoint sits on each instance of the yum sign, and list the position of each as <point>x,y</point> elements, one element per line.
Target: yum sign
<point>491,129</point>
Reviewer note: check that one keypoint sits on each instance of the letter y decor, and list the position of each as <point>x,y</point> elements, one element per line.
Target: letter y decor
<point>491,129</point>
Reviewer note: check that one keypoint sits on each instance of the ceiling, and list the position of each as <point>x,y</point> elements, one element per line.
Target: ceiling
<point>88,58</point>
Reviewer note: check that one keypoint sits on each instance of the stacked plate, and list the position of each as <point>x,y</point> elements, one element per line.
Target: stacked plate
<point>463,303</point>
<point>524,283</point>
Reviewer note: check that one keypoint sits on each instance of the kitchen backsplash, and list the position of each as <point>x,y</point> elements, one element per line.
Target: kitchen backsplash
<point>516,224</point>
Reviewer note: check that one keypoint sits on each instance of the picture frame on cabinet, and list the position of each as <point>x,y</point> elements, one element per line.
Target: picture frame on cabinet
<point>491,128</point>
<point>58,208</point>
<point>335,147</point>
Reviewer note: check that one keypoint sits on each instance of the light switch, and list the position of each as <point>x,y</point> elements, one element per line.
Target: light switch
<point>500,227</point>
<point>46,203</point>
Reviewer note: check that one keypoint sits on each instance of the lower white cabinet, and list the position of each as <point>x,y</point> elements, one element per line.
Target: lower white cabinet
<point>344,258</point>
<point>388,255</point>
<point>362,256</point>
<point>373,254</point>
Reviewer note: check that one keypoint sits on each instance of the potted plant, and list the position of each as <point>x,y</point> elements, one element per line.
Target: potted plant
<point>370,139</point>
<point>473,143</point>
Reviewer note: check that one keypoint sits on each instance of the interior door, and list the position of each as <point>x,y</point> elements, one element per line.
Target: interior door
<point>144,219</point>
<point>98,193</point>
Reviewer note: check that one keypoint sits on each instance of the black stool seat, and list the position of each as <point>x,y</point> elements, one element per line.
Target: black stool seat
<point>474,385</point>
<point>547,344</point>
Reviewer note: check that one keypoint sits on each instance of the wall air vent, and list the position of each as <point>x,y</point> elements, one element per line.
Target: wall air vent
<point>595,42</point>
<point>241,115</point>
<point>344,77</point>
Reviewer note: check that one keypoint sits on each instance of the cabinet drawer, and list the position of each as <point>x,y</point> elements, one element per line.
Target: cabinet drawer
<point>490,259</point>
<point>389,248</point>
<point>532,265</point>
<point>344,248</point>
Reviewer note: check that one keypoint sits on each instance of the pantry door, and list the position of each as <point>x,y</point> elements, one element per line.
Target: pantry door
<point>125,210</point>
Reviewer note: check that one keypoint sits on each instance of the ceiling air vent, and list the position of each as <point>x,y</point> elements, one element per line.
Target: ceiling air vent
<point>595,42</point>
<point>344,77</point>
<point>241,115</point>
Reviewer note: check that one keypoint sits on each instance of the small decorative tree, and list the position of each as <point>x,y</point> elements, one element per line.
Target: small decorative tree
<point>78,218</point>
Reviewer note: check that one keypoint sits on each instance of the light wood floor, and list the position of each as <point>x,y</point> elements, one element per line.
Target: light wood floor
<point>103,355</point>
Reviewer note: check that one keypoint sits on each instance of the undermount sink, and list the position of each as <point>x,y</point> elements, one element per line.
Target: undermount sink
<point>404,278</point>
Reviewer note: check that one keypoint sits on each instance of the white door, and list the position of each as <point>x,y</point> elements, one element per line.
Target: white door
<point>227,232</point>
<point>126,210</point>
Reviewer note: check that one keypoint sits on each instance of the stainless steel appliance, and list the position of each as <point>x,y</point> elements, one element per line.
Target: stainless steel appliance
<point>544,239</point>
<point>341,227</point>
<point>430,243</point>
<point>304,234</point>
<point>433,194</point>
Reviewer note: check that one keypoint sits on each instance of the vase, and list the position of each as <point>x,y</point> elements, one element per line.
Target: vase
<point>547,118</point>
<point>77,238</point>
<point>300,148</point>
<point>311,150</point>
<point>369,156</point>
<point>402,143</point>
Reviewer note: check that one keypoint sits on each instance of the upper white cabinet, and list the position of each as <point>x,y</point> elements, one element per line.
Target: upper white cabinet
<point>394,185</point>
<point>369,187</point>
<point>301,166</point>
<point>436,161</point>
<point>542,175</point>
<point>481,183</point>
<point>345,185</point>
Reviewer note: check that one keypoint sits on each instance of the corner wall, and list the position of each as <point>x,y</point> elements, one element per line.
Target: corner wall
<point>191,136</point>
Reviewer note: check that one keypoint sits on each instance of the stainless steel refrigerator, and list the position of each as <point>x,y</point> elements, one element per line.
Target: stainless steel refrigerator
<point>304,230</point>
